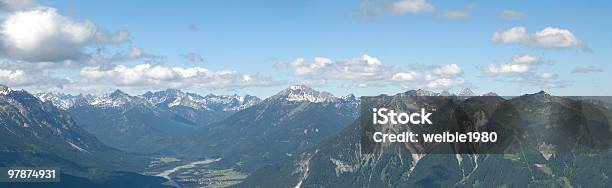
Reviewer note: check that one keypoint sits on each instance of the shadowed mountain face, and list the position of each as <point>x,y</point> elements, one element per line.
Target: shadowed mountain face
<point>275,129</point>
<point>554,142</point>
<point>35,133</point>
<point>143,123</point>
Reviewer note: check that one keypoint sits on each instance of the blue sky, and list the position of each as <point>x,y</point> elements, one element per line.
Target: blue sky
<point>251,37</point>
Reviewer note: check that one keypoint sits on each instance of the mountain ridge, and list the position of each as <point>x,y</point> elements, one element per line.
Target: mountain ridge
<point>36,133</point>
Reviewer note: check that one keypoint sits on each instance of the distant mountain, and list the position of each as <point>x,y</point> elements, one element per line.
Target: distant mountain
<point>301,93</point>
<point>168,98</point>
<point>143,123</point>
<point>173,97</point>
<point>556,142</point>
<point>64,101</point>
<point>465,92</point>
<point>35,133</point>
<point>275,129</point>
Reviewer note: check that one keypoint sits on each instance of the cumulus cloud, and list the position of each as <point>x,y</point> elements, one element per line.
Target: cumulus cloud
<point>585,70</point>
<point>404,76</point>
<point>526,58</point>
<point>510,15</point>
<point>547,38</point>
<point>444,82</point>
<point>512,35</point>
<point>522,69</point>
<point>370,71</point>
<point>157,76</point>
<point>41,34</point>
<point>456,15</point>
<point>20,78</point>
<point>518,64</point>
<point>451,69</point>
<point>193,57</point>
<point>371,9</point>
<point>412,7</point>
<point>493,69</point>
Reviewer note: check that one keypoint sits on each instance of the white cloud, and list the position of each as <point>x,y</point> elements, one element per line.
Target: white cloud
<point>20,78</point>
<point>547,38</point>
<point>370,71</point>
<point>522,69</point>
<point>411,6</point>
<point>556,38</point>
<point>511,15</point>
<point>404,76</point>
<point>372,9</point>
<point>42,35</point>
<point>445,82</point>
<point>363,68</point>
<point>493,69</point>
<point>517,65</point>
<point>456,15</point>
<point>451,69</point>
<point>13,76</point>
<point>157,76</point>
<point>512,35</point>
<point>526,58</point>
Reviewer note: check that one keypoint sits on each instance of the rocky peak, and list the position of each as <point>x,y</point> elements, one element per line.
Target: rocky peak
<point>304,93</point>
<point>5,89</point>
<point>421,92</point>
<point>118,94</point>
<point>466,92</point>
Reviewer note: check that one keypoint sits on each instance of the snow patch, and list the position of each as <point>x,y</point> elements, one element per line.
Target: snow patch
<point>77,147</point>
<point>341,167</point>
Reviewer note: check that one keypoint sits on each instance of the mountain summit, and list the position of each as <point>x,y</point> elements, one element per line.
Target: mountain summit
<point>304,93</point>
<point>174,97</point>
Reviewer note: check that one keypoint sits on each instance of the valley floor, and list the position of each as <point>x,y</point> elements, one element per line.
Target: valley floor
<point>196,174</point>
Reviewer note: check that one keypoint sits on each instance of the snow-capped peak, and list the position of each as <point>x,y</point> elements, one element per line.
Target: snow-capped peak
<point>173,97</point>
<point>168,98</point>
<point>5,90</point>
<point>62,101</point>
<point>304,93</point>
<point>348,97</point>
<point>115,99</point>
<point>297,87</point>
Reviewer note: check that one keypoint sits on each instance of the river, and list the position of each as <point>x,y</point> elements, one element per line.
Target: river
<point>166,173</point>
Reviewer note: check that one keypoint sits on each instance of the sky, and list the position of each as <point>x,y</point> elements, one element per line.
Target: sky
<point>259,48</point>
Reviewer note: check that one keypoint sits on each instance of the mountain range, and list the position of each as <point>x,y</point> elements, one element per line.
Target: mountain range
<point>294,119</point>
<point>142,123</point>
<point>554,142</point>
<point>301,137</point>
<point>35,133</point>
